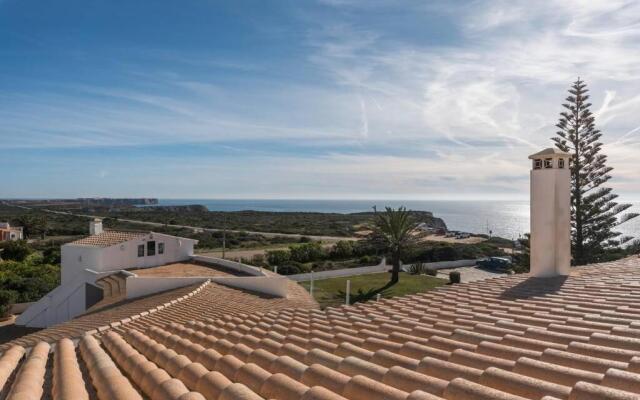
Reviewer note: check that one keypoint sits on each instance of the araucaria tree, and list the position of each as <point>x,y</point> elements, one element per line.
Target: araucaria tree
<point>595,215</point>
<point>396,232</point>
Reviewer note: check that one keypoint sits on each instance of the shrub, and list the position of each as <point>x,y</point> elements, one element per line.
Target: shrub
<point>51,255</point>
<point>292,268</point>
<point>431,271</point>
<point>278,257</point>
<point>342,249</point>
<point>307,252</point>
<point>7,298</point>
<point>454,277</point>
<point>417,268</point>
<point>257,259</point>
<point>369,260</point>
<point>28,282</point>
<point>16,250</point>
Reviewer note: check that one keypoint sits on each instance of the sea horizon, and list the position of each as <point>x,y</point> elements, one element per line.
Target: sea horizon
<point>505,218</point>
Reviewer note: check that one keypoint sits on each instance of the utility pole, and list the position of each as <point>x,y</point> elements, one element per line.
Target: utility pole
<point>224,234</point>
<point>348,294</point>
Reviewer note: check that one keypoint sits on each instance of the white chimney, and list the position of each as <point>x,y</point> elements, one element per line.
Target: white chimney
<point>95,227</point>
<point>550,213</point>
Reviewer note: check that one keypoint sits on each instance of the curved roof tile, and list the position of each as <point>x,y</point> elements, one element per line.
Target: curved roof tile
<point>509,338</point>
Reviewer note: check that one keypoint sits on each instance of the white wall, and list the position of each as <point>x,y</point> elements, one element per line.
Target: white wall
<point>550,222</point>
<point>142,286</point>
<point>232,265</point>
<point>125,255</point>
<point>271,285</point>
<point>61,304</point>
<point>75,259</point>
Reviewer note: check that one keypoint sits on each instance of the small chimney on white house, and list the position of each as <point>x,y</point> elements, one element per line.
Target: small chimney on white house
<point>95,227</point>
<point>550,213</point>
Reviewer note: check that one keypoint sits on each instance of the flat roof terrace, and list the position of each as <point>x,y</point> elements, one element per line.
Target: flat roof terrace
<point>186,269</point>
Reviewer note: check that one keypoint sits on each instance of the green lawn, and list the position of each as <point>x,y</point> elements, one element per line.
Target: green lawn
<point>331,292</point>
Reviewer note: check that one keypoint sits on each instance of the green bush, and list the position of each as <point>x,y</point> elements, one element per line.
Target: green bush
<point>29,282</point>
<point>278,257</point>
<point>454,277</point>
<point>16,250</point>
<point>417,268</point>
<point>257,260</point>
<point>342,250</point>
<point>307,252</point>
<point>292,268</point>
<point>51,255</point>
<point>369,260</point>
<point>431,271</point>
<point>7,298</point>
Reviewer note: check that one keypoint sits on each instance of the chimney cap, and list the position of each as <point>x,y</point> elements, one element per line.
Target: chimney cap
<point>550,152</point>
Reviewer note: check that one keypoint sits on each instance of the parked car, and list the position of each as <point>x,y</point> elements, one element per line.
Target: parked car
<point>501,264</point>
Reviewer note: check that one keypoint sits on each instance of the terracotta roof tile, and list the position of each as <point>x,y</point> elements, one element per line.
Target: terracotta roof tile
<point>507,338</point>
<point>108,238</point>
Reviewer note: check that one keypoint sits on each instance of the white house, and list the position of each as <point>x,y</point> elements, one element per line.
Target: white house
<point>90,258</point>
<point>106,250</point>
<point>8,232</point>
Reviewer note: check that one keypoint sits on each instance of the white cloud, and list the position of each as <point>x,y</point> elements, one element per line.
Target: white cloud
<point>504,84</point>
<point>481,102</point>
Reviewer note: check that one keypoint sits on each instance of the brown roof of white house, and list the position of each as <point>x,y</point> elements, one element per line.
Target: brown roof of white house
<point>511,338</point>
<point>108,238</point>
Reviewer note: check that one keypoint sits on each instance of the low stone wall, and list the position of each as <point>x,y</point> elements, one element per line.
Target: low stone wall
<point>233,265</point>
<point>382,267</point>
<point>271,285</point>
<point>445,264</point>
<point>339,273</point>
<point>19,308</point>
<point>138,286</point>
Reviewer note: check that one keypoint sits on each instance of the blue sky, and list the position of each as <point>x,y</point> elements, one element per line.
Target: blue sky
<point>305,99</point>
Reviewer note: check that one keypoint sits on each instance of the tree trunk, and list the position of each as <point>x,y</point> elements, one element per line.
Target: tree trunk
<point>395,271</point>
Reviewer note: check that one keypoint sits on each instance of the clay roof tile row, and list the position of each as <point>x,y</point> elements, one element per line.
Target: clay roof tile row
<point>509,338</point>
<point>108,238</point>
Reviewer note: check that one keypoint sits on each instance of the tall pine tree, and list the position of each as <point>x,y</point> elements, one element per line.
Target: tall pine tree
<point>595,215</point>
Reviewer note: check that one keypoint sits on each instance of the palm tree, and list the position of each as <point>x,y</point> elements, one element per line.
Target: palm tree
<point>397,232</point>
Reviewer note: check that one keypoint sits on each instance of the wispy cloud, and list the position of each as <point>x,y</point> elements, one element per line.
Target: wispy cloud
<point>454,106</point>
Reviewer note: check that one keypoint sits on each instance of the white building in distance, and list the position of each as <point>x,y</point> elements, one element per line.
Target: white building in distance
<point>8,232</point>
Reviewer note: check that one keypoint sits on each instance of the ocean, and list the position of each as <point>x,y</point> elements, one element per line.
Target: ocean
<point>507,219</point>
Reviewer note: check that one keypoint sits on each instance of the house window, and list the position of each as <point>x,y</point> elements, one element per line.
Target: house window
<point>548,163</point>
<point>561,163</point>
<point>160,248</point>
<point>141,250</point>
<point>151,248</point>
<point>537,164</point>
